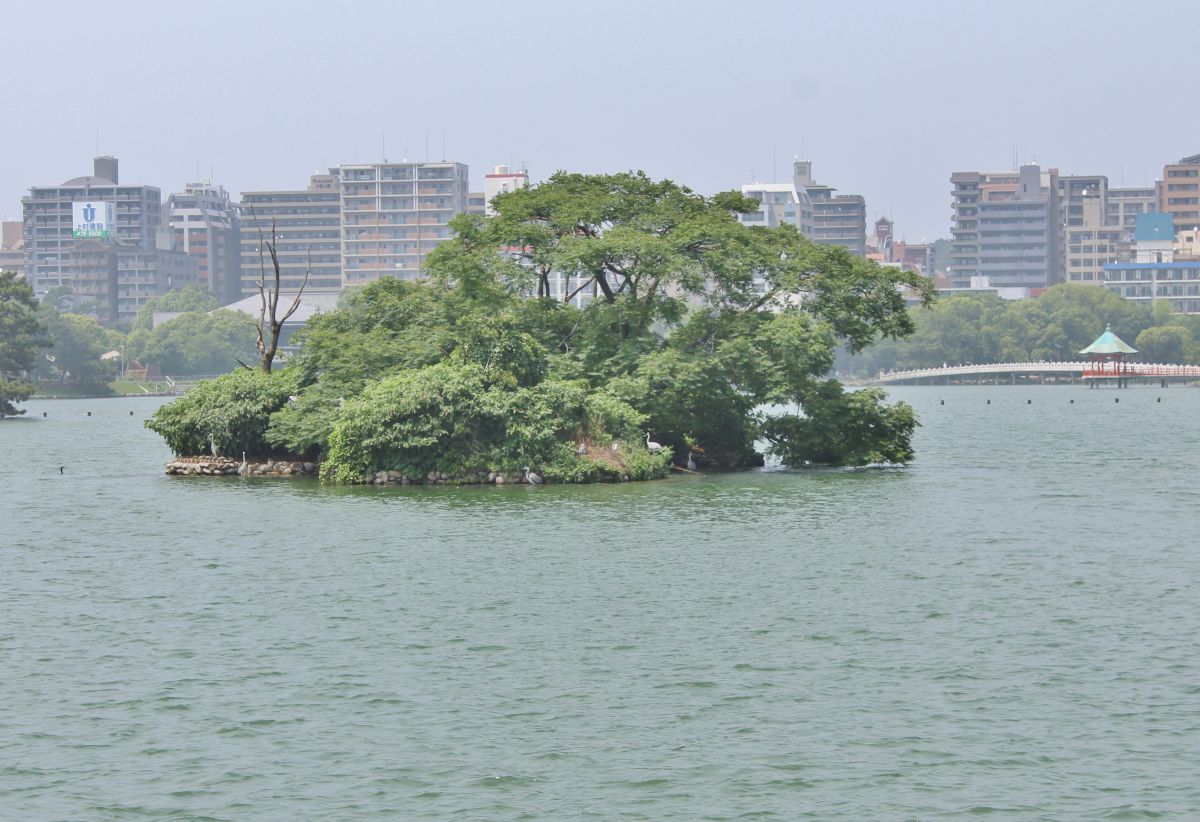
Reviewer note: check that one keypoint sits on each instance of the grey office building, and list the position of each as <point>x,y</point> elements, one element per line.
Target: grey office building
<point>205,226</point>
<point>104,240</point>
<point>48,221</point>
<point>1006,228</point>
<point>838,219</point>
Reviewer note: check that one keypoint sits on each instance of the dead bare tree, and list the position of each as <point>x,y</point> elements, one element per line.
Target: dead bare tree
<point>269,322</point>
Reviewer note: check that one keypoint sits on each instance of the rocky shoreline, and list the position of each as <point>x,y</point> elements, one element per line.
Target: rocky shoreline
<point>438,478</point>
<point>226,466</point>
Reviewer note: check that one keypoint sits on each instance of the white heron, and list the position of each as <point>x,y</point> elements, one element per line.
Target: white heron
<point>531,477</point>
<point>242,468</point>
<point>653,446</point>
<point>691,462</point>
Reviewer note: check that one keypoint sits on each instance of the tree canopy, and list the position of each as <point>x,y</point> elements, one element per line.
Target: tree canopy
<point>196,343</point>
<point>187,299</point>
<point>22,335</point>
<point>590,313</point>
<point>74,357</point>
<point>982,328</point>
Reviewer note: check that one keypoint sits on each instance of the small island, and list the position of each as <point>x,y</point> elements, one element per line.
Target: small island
<point>597,328</point>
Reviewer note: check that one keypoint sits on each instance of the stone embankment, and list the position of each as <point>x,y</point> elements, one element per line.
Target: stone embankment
<point>438,478</point>
<point>225,466</point>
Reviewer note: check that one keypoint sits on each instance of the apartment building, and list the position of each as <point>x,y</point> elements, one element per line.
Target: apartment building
<point>1179,193</point>
<point>205,225</point>
<point>838,219</point>
<point>1158,272</point>
<point>55,218</point>
<point>394,214</point>
<point>308,235</point>
<point>1006,228</point>
<point>1090,241</point>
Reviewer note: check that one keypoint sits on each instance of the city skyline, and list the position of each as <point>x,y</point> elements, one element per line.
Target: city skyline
<point>886,100</point>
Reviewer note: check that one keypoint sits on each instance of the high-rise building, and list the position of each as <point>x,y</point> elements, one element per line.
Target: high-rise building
<point>93,207</point>
<point>1006,227</point>
<point>500,181</point>
<point>476,202</point>
<point>205,225</point>
<point>308,237</point>
<point>394,214</point>
<point>1090,241</point>
<point>1179,193</point>
<point>838,219</point>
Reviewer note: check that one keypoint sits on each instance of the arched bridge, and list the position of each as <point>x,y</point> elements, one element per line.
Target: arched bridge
<point>1039,372</point>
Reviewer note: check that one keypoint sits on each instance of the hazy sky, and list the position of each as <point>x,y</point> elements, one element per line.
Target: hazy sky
<point>886,98</point>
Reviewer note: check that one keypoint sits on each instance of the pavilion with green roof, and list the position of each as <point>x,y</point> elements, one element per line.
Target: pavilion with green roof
<point>1109,356</point>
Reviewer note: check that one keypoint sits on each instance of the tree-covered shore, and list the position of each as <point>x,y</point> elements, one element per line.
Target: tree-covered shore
<point>695,322</point>
<point>982,328</point>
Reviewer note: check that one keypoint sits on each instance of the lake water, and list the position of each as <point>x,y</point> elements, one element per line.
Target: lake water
<point>1010,627</point>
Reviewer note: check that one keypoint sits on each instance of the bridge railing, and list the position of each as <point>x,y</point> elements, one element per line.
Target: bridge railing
<point>1083,369</point>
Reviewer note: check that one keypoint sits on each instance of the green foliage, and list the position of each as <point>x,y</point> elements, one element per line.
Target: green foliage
<point>197,343</point>
<point>840,428</point>
<point>982,328</point>
<point>1165,344</point>
<point>22,335</point>
<point>462,418</point>
<point>192,298</point>
<point>78,344</point>
<point>234,410</point>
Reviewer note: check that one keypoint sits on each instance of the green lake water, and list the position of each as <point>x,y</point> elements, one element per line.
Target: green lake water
<point>1008,628</point>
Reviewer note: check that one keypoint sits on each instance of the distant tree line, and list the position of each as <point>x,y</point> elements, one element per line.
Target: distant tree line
<point>982,328</point>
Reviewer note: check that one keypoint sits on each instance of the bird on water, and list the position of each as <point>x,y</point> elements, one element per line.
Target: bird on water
<point>531,477</point>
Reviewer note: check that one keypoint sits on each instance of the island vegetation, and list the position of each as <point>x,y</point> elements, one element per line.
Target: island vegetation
<point>699,338</point>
